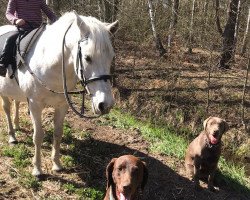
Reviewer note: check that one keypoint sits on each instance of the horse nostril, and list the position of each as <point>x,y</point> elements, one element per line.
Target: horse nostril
<point>101,107</point>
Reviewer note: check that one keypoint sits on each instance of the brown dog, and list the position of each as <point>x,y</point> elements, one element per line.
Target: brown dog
<point>204,151</point>
<point>126,178</point>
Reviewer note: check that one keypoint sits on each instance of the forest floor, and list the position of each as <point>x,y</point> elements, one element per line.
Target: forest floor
<point>146,87</point>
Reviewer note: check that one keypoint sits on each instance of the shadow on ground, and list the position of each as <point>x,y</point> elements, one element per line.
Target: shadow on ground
<point>92,156</point>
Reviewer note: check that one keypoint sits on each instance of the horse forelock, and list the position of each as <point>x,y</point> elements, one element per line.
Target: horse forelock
<point>99,36</point>
<point>97,32</point>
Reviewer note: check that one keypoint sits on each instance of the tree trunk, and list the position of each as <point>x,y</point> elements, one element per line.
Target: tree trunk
<point>158,42</point>
<point>246,34</point>
<point>48,2</point>
<point>228,36</point>
<point>56,7</point>
<point>191,28</point>
<point>108,10</point>
<point>217,8</point>
<point>115,10</point>
<point>236,28</point>
<point>173,22</point>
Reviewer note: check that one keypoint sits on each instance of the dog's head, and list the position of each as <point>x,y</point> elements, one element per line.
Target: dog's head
<point>214,128</point>
<point>126,174</point>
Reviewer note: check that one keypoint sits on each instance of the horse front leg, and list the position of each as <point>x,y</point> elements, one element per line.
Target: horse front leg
<point>57,137</point>
<point>35,113</point>
<point>6,107</point>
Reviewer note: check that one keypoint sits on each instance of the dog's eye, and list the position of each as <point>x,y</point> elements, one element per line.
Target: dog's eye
<point>119,168</point>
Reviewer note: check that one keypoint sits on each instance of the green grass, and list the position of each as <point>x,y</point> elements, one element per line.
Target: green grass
<point>83,193</point>
<point>20,153</point>
<point>163,139</point>
<point>169,141</point>
<point>28,181</point>
<point>21,159</point>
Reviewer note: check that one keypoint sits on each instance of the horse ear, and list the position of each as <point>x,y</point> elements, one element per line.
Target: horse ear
<point>80,23</point>
<point>113,27</point>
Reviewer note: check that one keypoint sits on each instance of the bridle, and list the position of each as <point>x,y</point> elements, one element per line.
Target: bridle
<point>84,82</point>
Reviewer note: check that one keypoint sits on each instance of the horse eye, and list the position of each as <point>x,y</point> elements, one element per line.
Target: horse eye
<point>88,59</point>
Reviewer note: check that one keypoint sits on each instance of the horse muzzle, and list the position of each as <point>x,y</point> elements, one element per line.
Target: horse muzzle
<point>102,107</point>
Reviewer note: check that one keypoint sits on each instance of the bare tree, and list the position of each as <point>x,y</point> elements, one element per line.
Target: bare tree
<point>246,34</point>
<point>191,28</point>
<point>217,8</point>
<point>158,42</point>
<point>228,36</point>
<point>173,22</point>
<point>56,7</point>
<point>108,10</point>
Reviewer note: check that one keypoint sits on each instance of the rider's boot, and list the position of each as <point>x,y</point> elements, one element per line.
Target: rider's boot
<point>3,66</point>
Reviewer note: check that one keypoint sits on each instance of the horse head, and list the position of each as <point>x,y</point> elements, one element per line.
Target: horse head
<point>93,58</point>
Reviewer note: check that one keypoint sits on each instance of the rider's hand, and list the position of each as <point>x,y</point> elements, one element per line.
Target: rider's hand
<point>19,22</point>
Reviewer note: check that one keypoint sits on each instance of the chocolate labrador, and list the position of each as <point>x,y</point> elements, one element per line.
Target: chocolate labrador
<point>204,151</point>
<point>126,178</point>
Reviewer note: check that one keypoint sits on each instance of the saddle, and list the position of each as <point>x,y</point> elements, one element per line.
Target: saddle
<point>23,44</point>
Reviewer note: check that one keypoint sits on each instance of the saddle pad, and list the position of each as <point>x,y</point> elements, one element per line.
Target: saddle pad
<point>26,42</point>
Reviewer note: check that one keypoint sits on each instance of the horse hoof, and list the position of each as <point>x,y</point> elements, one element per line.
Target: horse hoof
<point>40,177</point>
<point>13,142</point>
<point>58,170</point>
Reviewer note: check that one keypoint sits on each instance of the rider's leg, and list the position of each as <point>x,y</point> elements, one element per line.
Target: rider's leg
<point>8,53</point>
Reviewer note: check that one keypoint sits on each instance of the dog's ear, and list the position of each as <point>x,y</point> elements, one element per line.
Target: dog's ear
<point>109,171</point>
<point>205,123</point>
<point>226,127</point>
<point>145,176</point>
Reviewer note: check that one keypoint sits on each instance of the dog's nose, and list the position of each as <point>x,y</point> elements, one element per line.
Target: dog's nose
<point>216,133</point>
<point>126,187</point>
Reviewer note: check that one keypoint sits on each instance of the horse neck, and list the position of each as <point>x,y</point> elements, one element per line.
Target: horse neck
<point>49,48</point>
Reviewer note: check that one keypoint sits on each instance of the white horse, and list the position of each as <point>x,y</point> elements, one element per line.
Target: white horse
<point>45,61</point>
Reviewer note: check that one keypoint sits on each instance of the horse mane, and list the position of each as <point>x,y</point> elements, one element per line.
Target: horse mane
<point>97,32</point>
